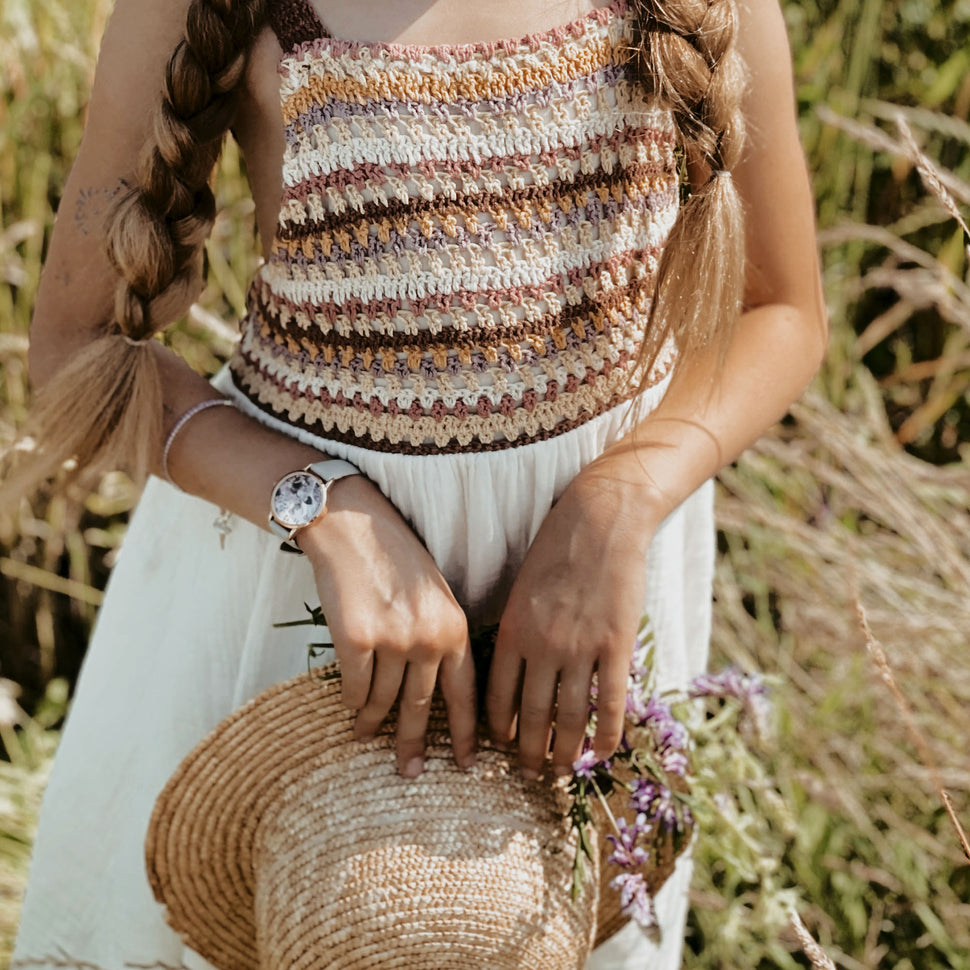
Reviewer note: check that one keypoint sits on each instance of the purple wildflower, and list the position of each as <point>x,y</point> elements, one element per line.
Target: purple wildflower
<point>626,853</point>
<point>670,733</point>
<point>749,689</point>
<point>730,682</point>
<point>584,766</point>
<point>636,707</point>
<point>674,762</point>
<point>656,802</point>
<point>635,899</point>
<point>670,737</point>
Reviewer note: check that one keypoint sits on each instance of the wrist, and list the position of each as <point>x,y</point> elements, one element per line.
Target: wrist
<point>301,497</point>
<point>352,502</point>
<point>618,485</point>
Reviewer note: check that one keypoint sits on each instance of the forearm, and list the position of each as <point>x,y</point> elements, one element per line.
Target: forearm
<point>221,454</point>
<point>709,416</point>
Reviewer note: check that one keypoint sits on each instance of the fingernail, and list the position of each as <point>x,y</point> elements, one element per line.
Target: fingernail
<point>530,774</point>
<point>467,762</point>
<point>563,770</point>
<point>413,768</point>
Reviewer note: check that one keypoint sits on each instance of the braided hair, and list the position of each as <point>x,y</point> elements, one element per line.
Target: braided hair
<point>687,60</point>
<point>104,408</point>
<point>170,211</point>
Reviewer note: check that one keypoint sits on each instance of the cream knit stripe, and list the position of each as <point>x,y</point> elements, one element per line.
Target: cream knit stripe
<point>348,194</point>
<point>361,244</point>
<point>487,313</point>
<point>323,111</point>
<point>411,276</point>
<point>461,255</point>
<point>647,140</point>
<point>525,133</point>
<point>484,120</point>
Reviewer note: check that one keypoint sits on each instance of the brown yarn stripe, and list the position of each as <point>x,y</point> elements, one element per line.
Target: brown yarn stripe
<point>559,192</point>
<point>404,447</point>
<point>433,168</point>
<point>314,341</point>
<point>294,22</point>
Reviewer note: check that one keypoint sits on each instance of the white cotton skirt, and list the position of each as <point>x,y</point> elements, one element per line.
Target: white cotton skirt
<point>185,636</point>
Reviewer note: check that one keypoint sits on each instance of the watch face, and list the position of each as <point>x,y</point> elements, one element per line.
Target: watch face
<point>297,499</point>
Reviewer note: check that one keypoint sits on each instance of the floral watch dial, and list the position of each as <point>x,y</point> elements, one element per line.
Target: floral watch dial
<point>298,499</point>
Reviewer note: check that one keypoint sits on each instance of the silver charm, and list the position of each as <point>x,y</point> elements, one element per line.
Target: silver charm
<point>223,525</point>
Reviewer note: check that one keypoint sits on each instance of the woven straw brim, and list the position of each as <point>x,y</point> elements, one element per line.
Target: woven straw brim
<point>282,842</point>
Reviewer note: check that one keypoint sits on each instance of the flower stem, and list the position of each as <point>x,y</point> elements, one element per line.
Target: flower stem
<point>606,807</point>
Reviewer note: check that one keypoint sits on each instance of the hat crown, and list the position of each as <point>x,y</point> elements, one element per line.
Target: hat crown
<point>282,842</point>
<point>452,870</point>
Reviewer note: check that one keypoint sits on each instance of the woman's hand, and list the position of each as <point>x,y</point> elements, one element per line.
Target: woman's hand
<point>574,609</point>
<point>396,626</point>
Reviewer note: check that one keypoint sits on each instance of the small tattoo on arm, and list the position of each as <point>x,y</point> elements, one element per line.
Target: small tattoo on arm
<point>92,204</point>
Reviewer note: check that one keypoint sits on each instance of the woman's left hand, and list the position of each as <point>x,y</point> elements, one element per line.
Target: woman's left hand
<point>573,611</point>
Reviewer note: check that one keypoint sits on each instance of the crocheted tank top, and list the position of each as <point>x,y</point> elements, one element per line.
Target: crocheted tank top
<point>468,238</point>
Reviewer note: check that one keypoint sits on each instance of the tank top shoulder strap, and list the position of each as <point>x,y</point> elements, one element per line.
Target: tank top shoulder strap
<point>294,22</point>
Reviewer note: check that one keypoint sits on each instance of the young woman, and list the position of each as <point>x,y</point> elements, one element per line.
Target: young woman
<point>484,308</point>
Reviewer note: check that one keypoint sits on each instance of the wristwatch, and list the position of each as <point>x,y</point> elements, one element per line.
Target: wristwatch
<point>300,498</point>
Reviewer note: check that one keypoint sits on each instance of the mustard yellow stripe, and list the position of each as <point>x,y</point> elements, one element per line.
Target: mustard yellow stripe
<point>404,84</point>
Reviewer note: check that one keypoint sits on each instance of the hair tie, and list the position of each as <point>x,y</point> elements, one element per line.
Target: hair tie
<point>144,342</point>
<point>721,173</point>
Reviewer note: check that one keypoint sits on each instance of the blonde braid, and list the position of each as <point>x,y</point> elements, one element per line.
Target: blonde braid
<point>156,230</point>
<point>688,61</point>
<point>104,408</point>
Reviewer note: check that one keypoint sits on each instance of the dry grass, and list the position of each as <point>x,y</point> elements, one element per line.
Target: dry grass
<point>846,566</point>
<point>827,506</point>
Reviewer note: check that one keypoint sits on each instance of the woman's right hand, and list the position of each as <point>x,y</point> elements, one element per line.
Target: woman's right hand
<point>397,628</point>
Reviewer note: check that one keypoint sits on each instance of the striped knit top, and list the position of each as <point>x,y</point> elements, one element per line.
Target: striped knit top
<point>468,239</point>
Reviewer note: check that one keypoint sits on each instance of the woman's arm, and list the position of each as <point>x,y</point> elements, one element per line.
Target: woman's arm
<point>392,616</point>
<point>576,604</point>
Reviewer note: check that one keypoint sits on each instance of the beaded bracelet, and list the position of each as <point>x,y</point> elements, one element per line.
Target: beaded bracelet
<point>181,423</point>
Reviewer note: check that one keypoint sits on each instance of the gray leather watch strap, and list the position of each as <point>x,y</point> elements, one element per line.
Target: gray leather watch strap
<point>330,469</point>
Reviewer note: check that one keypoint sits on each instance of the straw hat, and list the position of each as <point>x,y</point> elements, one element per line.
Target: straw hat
<point>282,842</point>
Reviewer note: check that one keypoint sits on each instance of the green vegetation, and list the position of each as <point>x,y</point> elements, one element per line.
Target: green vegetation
<point>861,497</point>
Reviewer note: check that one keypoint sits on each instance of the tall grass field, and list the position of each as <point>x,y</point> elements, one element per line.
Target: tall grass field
<point>844,534</point>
